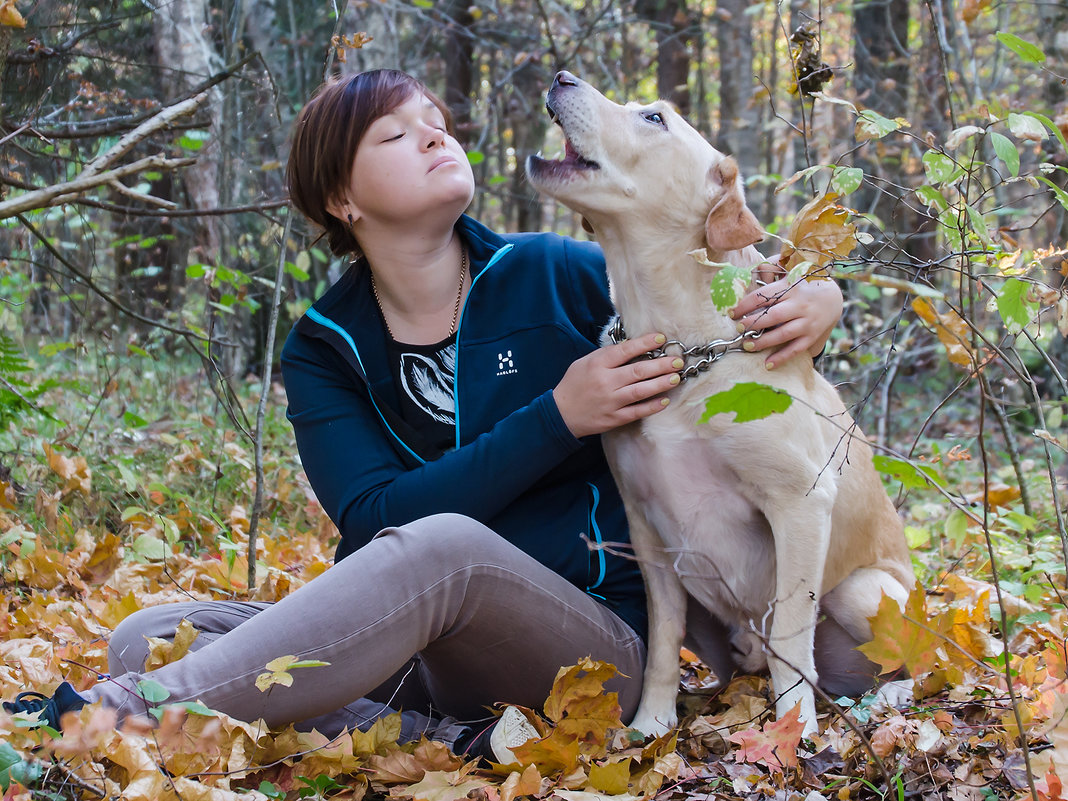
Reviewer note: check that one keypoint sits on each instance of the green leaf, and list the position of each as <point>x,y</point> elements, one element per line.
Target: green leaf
<point>1030,53</point>
<point>728,285</point>
<point>910,475</point>
<point>749,401</point>
<point>939,167</point>
<point>14,767</point>
<point>1013,305</point>
<point>475,156</point>
<point>872,125</point>
<point>197,708</point>
<point>1049,124</point>
<point>271,791</point>
<point>846,179</point>
<point>152,691</point>
<point>1006,151</point>
<point>930,196</point>
<point>133,420</point>
<point>1060,194</point>
<point>978,224</point>
<point>195,271</point>
<point>296,271</point>
<point>917,537</point>
<point>1026,126</point>
<point>149,548</point>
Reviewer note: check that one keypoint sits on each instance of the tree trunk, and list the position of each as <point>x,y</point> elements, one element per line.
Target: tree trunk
<point>738,115</point>
<point>671,21</point>
<point>459,66</point>
<point>187,57</point>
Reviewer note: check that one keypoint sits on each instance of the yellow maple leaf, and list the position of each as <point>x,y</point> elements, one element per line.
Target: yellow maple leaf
<point>578,703</point>
<point>611,777</point>
<point>517,785</point>
<point>441,785</point>
<point>164,651</point>
<point>820,232</point>
<point>10,16</point>
<point>278,671</point>
<point>902,638</point>
<point>952,331</point>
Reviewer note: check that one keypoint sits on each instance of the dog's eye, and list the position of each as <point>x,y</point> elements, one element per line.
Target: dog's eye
<point>655,118</point>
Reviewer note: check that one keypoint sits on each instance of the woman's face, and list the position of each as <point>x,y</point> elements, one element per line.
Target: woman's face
<point>406,166</point>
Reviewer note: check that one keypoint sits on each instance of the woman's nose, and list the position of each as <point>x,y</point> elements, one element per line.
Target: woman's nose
<point>435,138</point>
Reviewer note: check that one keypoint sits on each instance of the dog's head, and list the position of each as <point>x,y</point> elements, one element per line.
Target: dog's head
<point>641,162</point>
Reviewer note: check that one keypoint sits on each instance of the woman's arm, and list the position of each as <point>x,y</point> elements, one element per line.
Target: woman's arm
<point>365,485</point>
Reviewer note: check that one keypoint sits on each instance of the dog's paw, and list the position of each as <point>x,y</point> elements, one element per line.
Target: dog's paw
<point>896,693</point>
<point>654,725</point>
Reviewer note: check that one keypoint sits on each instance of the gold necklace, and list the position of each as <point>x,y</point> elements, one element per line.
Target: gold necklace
<point>455,310</point>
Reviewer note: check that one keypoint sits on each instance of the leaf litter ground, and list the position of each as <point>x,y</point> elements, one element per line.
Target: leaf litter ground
<point>961,740</point>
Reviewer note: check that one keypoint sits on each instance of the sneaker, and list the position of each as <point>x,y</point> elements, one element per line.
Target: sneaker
<point>511,731</point>
<point>64,699</point>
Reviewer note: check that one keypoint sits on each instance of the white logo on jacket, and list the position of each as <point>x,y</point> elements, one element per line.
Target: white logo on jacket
<point>505,363</point>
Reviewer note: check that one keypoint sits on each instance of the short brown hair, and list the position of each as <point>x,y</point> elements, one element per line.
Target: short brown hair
<point>327,133</point>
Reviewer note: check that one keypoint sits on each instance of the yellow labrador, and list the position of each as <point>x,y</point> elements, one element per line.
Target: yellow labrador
<point>779,528</point>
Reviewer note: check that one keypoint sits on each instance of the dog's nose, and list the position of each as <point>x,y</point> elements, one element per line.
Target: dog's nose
<point>565,78</point>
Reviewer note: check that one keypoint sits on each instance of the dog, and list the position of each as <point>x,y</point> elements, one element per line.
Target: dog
<point>769,543</point>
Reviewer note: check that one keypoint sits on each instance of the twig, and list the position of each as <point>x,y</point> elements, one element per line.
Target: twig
<point>261,407</point>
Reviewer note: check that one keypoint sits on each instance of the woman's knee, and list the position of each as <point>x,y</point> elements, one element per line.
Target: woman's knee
<point>452,541</point>
<point>128,646</point>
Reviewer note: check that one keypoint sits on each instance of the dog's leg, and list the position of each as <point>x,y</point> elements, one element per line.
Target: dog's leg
<point>802,532</point>
<point>848,606</point>
<point>666,599</point>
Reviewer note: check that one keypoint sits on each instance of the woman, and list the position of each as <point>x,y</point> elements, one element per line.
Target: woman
<point>446,395</point>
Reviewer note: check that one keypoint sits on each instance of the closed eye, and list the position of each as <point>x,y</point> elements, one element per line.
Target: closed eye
<point>655,117</point>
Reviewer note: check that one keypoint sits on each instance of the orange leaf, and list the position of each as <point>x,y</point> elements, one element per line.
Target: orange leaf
<point>10,16</point>
<point>820,232</point>
<point>75,472</point>
<point>952,331</point>
<point>896,640</point>
<point>774,745</point>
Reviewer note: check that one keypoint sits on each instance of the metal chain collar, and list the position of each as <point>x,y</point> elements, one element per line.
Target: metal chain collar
<point>699,358</point>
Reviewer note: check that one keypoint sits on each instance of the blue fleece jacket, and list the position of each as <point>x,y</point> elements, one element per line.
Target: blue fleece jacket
<point>537,302</point>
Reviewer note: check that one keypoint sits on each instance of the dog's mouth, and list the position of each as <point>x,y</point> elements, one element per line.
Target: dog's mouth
<point>572,160</point>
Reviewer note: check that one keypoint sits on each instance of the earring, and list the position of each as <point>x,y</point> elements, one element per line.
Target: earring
<point>351,222</point>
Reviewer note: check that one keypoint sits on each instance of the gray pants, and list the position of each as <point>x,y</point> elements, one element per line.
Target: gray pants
<point>441,618</point>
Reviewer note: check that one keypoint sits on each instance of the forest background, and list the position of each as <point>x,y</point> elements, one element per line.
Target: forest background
<point>149,266</point>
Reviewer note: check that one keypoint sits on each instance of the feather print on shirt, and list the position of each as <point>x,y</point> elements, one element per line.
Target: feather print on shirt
<point>428,381</point>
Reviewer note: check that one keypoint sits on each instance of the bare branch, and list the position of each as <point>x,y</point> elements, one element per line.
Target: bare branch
<point>66,192</point>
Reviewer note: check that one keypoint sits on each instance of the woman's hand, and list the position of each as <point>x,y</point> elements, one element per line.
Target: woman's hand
<point>604,389</point>
<point>796,317</point>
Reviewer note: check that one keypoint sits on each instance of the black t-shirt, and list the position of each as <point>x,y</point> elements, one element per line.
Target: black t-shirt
<point>424,376</point>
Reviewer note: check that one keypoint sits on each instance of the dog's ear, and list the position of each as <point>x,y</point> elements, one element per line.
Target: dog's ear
<point>730,224</point>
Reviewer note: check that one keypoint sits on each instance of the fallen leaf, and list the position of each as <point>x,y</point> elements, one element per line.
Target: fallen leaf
<point>774,745</point>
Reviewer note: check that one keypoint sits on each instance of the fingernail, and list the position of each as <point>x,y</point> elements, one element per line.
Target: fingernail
<point>664,401</point>
<point>674,379</point>
<point>740,328</point>
<point>769,365</point>
<point>678,364</point>
<point>660,339</point>
<point>732,313</point>
<point>748,345</point>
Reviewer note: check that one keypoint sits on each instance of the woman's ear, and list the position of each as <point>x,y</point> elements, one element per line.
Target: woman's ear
<point>344,211</point>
